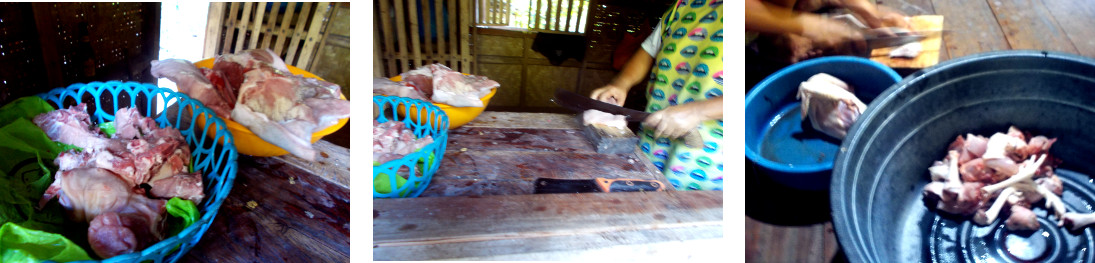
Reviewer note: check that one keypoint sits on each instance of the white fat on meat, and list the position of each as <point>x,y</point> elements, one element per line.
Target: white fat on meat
<point>910,50</point>
<point>393,140</point>
<point>286,110</point>
<point>829,104</point>
<point>192,82</point>
<point>388,87</point>
<point>590,117</point>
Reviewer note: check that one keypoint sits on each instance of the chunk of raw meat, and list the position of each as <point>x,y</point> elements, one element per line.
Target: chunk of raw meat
<point>285,110</point>
<point>229,69</point>
<point>830,108</point>
<point>193,83</point>
<point>112,233</point>
<point>910,50</point>
<point>444,85</point>
<point>184,185</point>
<point>73,126</point>
<point>590,117</point>
<point>393,140</point>
<point>459,90</point>
<point>129,124</point>
<point>88,192</point>
<point>1022,218</point>
<point>399,89</point>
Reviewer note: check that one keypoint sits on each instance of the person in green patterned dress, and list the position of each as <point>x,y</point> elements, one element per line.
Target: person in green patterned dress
<point>684,93</point>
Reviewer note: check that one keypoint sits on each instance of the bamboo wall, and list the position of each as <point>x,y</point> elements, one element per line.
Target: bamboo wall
<point>292,30</point>
<point>411,33</point>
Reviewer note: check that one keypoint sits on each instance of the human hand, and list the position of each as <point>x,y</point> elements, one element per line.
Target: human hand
<point>828,34</point>
<point>610,91</point>
<point>676,121</point>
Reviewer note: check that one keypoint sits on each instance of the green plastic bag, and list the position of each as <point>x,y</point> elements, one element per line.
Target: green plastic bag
<point>183,214</point>
<point>382,183</point>
<point>19,244</point>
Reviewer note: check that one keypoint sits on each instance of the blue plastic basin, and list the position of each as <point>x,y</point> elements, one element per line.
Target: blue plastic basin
<point>774,136</point>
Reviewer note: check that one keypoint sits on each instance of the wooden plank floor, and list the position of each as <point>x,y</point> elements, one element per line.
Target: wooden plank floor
<point>787,225</point>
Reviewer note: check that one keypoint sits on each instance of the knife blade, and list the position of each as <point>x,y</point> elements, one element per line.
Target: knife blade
<point>579,103</point>
<point>559,186</point>
<point>891,41</point>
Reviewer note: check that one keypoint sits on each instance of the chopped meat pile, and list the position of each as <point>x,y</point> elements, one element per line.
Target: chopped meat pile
<point>255,89</point>
<point>102,183</point>
<point>442,85</point>
<point>829,104</point>
<point>981,176</point>
<point>393,140</point>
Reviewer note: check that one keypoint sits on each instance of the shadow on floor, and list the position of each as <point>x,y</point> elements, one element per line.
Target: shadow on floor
<point>771,202</point>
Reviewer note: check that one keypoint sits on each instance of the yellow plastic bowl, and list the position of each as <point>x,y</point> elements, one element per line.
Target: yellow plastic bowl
<point>250,144</point>
<point>458,116</point>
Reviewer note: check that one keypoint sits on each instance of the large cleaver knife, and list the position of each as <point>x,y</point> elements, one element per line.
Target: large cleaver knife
<point>579,103</point>
<point>559,186</point>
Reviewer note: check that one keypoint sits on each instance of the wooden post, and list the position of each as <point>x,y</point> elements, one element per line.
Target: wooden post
<point>536,16</point>
<point>558,14</point>
<point>570,12</point>
<point>581,13</point>
<point>283,33</point>
<point>416,45</point>
<point>302,19</point>
<point>465,49</point>
<point>323,9</point>
<point>438,30</point>
<point>271,26</point>
<point>427,20</point>
<point>454,39</point>
<point>243,27</point>
<point>401,33</point>
<point>213,29</point>
<point>388,34</point>
<point>230,26</point>
<point>256,29</point>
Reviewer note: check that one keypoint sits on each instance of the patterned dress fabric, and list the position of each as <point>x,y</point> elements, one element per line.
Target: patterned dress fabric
<point>688,69</point>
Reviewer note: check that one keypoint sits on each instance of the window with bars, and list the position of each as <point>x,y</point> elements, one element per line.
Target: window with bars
<point>537,15</point>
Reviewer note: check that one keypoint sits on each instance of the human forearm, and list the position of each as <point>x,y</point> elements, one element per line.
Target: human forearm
<point>635,70</point>
<point>769,18</point>
<point>710,109</point>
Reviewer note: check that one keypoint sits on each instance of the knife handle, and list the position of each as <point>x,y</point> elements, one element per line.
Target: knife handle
<point>629,185</point>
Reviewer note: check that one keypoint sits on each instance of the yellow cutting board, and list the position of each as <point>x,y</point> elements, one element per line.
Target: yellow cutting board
<point>930,54</point>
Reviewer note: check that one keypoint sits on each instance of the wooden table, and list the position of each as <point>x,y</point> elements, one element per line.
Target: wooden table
<point>480,205</point>
<point>786,225</point>
<point>283,209</point>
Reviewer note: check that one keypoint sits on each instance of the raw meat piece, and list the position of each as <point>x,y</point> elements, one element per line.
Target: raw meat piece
<point>910,50</point>
<point>459,90</point>
<point>1022,219</point>
<point>422,78</point>
<point>88,192</point>
<point>443,85</point>
<point>193,83</point>
<point>393,140</point>
<point>229,69</point>
<point>184,185</point>
<point>73,126</point>
<point>830,108</point>
<point>285,110</point>
<point>120,164</point>
<point>400,89</point>
<point>129,124</point>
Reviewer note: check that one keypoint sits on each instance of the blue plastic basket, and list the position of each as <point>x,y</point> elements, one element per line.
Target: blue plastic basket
<point>430,120</point>
<point>216,161</point>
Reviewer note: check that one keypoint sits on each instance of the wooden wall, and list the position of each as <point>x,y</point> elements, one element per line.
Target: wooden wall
<point>40,48</point>
<point>411,33</point>
<point>529,80</point>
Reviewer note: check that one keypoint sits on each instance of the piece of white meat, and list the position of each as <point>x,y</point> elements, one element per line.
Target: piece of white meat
<point>73,126</point>
<point>832,109</point>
